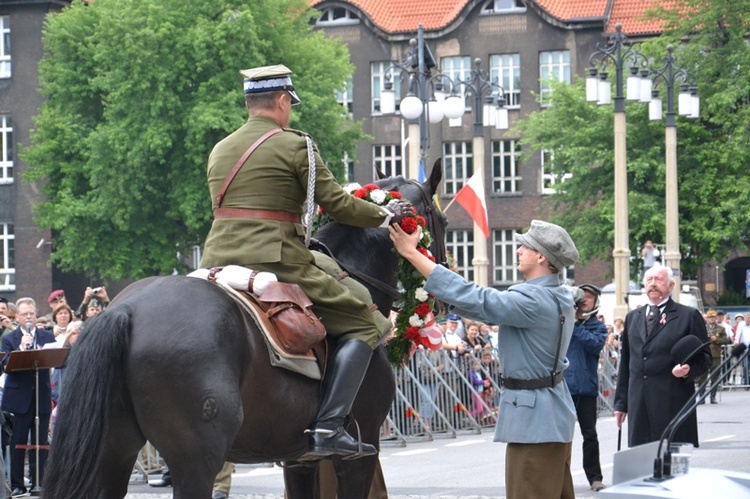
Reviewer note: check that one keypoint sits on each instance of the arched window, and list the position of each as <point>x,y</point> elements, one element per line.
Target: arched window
<point>337,16</point>
<point>503,6</point>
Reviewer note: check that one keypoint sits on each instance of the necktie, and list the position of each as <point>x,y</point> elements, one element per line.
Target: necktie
<point>651,318</point>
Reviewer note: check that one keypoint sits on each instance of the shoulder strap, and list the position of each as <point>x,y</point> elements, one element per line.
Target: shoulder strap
<point>241,162</point>
<point>560,335</point>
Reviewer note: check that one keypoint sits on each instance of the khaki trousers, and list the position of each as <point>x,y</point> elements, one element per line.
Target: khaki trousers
<point>535,471</point>
<point>223,480</point>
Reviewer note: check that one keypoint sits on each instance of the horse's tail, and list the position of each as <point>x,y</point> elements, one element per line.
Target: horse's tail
<point>93,375</point>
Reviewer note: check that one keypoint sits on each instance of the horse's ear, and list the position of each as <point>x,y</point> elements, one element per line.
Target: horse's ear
<point>378,174</point>
<point>436,175</point>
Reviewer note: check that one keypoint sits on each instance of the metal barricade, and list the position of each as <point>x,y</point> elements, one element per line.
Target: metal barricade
<point>739,377</point>
<point>149,462</point>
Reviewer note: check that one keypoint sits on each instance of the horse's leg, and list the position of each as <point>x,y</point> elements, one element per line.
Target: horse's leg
<point>355,477</point>
<point>123,442</point>
<point>194,424</point>
<point>301,481</point>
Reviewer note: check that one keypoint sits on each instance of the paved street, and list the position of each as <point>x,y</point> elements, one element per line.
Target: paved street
<point>471,466</point>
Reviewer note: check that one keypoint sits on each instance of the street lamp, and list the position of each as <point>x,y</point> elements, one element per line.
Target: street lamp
<point>425,101</point>
<point>689,106</point>
<point>618,52</point>
<point>491,112</point>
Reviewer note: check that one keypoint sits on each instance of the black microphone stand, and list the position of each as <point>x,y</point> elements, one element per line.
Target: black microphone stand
<point>663,466</point>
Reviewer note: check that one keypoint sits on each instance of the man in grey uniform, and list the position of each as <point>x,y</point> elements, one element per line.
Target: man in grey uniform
<point>537,416</point>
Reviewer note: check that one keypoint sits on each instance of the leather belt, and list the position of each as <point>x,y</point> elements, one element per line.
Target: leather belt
<point>531,384</point>
<point>248,213</point>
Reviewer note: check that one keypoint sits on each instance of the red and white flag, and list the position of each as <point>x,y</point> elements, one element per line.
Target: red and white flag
<point>471,197</point>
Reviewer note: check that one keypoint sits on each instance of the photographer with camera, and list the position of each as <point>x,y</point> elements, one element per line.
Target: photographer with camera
<point>95,300</point>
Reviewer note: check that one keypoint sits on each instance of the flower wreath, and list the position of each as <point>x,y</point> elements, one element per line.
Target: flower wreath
<point>415,323</point>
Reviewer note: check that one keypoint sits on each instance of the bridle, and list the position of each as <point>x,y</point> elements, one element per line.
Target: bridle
<point>432,216</point>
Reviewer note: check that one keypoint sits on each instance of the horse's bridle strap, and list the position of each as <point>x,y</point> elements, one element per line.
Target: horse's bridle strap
<point>248,213</point>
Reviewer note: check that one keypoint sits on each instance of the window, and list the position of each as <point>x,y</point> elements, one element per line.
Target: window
<point>460,243</point>
<point>504,247</point>
<point>345,96</point>
<point>506,166</point>
<point>553,66</point>
<point>337,16</point>
<point>7,258</point>
<point>377,76</point>
<point>549,178</point>
<point>387,159</point>
<point>348,168</point>
<point>5,47</point>
<point>501,6</point>
<point>456,68</point>
<point>506,70</point>
<point>6,155</point>
<point>458,163</point>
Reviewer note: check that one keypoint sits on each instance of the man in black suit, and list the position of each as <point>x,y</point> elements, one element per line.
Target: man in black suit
<point>651,386</point>
<point>19,395</point>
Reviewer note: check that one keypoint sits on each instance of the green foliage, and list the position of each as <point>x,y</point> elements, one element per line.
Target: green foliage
<point>712,152</point>
<point>730,297</point>
<point>138,92</point>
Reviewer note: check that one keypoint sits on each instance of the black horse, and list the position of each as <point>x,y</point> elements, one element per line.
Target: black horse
<point>175,362</point>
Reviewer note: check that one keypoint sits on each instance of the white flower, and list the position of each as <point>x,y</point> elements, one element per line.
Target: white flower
<point>414,320</point>
<point>377,196</point>
<point>352,187</point>
<point>420,294</point>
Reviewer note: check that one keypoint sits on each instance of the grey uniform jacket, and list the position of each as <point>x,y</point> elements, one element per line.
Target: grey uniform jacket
<point>527,341</point>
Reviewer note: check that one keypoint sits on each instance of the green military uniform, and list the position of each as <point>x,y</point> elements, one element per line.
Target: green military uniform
<point>716,345</point>
<point>275,178</point>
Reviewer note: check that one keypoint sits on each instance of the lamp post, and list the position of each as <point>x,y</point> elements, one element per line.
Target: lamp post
<point>689,106</point>
<point>426,102</point>
<point>618,52</point>
<point>490,112</point>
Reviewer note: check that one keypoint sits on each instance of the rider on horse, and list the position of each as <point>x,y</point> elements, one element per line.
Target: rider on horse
<point>257,224</point>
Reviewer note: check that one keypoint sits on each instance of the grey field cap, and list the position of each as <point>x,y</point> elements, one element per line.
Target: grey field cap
<point>552,241</point>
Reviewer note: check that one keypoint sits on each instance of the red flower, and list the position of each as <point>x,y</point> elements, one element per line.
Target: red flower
<point>423,251</point>
<point>429,255</point>
<point>409,225</point>
<point>320,210</point>
<point>412,333</point>
<point>395,194</point>
<point>370,187</point>
<point>422,221</point>
<point>422,309</point>
<point>360,193</point>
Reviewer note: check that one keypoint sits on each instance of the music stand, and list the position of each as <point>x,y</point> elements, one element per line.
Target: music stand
<point>26,360</point>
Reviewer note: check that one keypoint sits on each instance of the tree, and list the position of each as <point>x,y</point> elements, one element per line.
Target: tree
<point>713,153</point>
<point>138,92</point>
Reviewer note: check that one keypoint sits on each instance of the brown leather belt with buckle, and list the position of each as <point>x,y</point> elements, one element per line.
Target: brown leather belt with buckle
<point>531,384</point>
<point>248,213</point>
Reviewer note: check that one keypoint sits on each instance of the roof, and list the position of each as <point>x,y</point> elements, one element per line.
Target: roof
<point>404,16</point>
<point>632,15</point>
<point>399,16</point>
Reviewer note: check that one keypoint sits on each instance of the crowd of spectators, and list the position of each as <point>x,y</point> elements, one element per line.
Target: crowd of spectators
<point>24,326</point>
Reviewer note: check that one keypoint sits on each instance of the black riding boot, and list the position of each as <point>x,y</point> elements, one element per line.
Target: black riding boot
<point>345,374</point>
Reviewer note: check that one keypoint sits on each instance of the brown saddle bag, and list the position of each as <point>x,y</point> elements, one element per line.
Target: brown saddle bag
<point>296,328</point>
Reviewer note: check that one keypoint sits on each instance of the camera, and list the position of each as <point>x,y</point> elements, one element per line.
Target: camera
<point>95,291</point>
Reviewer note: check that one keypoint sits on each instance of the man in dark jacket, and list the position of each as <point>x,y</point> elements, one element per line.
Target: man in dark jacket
<point>651,386</point>
<point>589,336</point>
<point>20,397</point>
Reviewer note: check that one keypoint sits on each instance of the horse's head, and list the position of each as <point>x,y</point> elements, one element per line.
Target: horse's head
<point>422,197</point>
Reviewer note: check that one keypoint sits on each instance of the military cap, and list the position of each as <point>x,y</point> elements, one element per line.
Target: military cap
<point>711,313</point>
<point>269,78</point>
<point>552,241</point>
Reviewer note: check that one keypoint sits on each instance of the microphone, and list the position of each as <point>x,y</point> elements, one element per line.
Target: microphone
<point>28,332</point>
<point>663,468</point>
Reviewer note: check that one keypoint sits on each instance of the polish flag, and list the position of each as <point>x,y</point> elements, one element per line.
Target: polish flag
<point>471,197</point>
